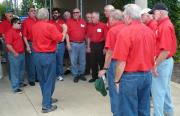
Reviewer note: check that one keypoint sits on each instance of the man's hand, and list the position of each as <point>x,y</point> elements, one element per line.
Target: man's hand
<point>154,71</point>
<point>101,73</point>
<point>28,49</point>
<point>88,50</point>
<point>69,47</point>
<point>117,87</point>
<point>16,54</point>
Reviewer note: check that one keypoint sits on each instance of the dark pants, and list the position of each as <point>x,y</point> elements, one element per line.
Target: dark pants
<point>46,73</point>
<point>88,63</point>
<point>97,58</point>
<point>134,94</point>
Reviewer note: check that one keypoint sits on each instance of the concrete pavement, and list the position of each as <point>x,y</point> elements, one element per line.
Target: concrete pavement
<point>75,99</point>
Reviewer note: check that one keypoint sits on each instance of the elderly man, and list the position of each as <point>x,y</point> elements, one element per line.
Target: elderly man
<point>134,52</point>
<point>148,20</point>
<point>116,23</point>
<point>45,39</point>
<point>77,47</point>
<point>107,9</point>
<point>165,50</point>
<point>97,41</point>
<point>67,15</point>
<point>88,31</point>
<point>60,46</point>
<point>27,36</point>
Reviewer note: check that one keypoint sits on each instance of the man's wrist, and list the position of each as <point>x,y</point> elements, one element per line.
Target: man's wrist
<point>104,68</point>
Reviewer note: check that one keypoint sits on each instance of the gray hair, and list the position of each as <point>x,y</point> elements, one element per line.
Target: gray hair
<point>97,14</point>
<point>109,7</point>
<point>43,14</point>
<point>116,14</point>
<point>132,10</point>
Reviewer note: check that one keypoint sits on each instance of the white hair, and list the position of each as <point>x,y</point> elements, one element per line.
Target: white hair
<point>97,14</point>
<point>132,10</point>
<point>116,14</point>
<point>43,14</point>
<point>109,7</point>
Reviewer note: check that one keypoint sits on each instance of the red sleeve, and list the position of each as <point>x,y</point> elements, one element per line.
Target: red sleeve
<point>122,47</point>
<point>108,40</point>
<point>166,38</point>
<point>54,33</point>
<point>24,29</point>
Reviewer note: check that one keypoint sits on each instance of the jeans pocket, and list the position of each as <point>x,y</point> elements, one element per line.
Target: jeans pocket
<point>128,87</point>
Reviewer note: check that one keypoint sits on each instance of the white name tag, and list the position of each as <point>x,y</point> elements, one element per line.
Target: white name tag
<point>82,25</point>
<point>99,30</point>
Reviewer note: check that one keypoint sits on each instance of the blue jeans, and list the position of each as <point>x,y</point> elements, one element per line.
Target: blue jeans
<point>17,65</point>
<point>30,66</point>
<point>112,91</point>
<point>134,94</point>
<point>161,89</point>
<point>60,58</point>
<point>78,58</point>
<point>46,73</point>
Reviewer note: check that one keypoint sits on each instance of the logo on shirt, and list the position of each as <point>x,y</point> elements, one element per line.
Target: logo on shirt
<point>99,30</point>
<point>82,25</point>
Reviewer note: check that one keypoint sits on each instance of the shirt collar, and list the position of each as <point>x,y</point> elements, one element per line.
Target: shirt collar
<point>163,20</point>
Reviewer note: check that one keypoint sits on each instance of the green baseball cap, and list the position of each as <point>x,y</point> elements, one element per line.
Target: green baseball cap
<point>100,86</point>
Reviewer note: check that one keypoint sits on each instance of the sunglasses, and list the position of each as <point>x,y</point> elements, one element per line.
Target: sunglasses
<point>75,12</point>
<point>19,23</point>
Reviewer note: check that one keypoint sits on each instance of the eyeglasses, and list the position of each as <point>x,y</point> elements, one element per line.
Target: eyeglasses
<point>75,12</point>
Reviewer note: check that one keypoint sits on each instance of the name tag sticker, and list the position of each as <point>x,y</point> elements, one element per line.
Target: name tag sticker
<point>99,30</point>
<point>82,25</point>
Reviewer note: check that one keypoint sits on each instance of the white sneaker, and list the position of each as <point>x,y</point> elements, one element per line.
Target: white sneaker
<point>60,78</point>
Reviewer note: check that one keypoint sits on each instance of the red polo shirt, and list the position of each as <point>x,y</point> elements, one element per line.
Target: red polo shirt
<point>76,30</point>
<point>27,27</point>
<point>88,29</point>
<point>112,35</point>
<point>97,32</point>
<point>136,46</point>
<point>152,24</point>
<point>5,26</point>
<point>166,37</point>
<point>14,38</point>
<point>45,37</point>
<point>58,24</point>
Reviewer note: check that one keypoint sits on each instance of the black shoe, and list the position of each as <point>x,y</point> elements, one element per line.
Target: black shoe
<point>32,83</point>
<point>18,91</point>
<point>82,77</point>
<point>54,107</point>
<point>92,80</point>
<point>76,79</point>
<point>67,72</point>
<point>37,80</point>
<point>23,85</point>
<point>54,100</point>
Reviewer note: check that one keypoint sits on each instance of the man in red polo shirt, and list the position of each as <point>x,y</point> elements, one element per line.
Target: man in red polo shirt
<point>107,9</point>
<point>134,52</point>
<point>97,41</point>
<point>148,20</point>
<point>162,71</point>
<point>6,23</point>
<point>45,39</point>
<point>58,22</point>
<point>27,36</point>
<point>15,46</point>
<point>77,47</point>
<point>88,31</point>
<point>116,23</point>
